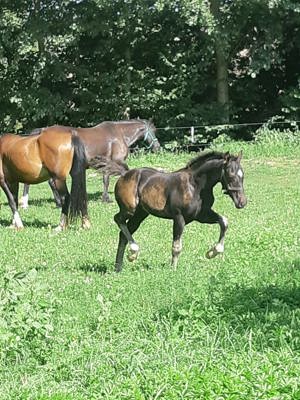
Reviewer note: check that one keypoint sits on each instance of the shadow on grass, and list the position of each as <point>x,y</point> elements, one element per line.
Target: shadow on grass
<point>29,224</point>
<point>5,223</point>
<point>41,202</point>
<point>95,196</point>
<point>100,268</point>
<point>269,313</point>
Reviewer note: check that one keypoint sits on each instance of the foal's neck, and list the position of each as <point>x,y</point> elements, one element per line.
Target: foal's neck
<point>212,169</point>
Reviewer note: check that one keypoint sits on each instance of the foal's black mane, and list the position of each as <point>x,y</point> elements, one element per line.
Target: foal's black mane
<point>198,161</point>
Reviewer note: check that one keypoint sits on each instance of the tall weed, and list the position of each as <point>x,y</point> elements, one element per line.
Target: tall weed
<point>25,317</point>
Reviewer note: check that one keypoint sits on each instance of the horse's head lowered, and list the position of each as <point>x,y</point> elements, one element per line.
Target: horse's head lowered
<point>232,179</point>
<point>150,138</point>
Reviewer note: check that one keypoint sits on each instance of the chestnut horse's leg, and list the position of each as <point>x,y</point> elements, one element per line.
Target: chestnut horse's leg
<point>85,221</point>
<point>178,227</point>
<point>11,192</point>
<point>64,194</point>
<point>24,199</point>
<point>211,217</point>
<point>56,195</point>
<point>105,195</point>
<point>125,236</point>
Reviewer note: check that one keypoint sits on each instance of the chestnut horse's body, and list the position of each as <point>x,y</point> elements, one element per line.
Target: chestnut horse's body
<point>184,196</point>
<point>111,139</point>
<point>32,159</point>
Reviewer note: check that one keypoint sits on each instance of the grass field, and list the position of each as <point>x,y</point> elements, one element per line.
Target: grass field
<point>228,328</point>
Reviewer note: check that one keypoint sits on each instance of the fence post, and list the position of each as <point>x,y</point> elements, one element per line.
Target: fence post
<point>192,134</point>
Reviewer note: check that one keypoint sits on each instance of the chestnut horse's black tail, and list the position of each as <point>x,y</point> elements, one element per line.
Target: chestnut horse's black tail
<point>78,196</point>
<point>107,166</point>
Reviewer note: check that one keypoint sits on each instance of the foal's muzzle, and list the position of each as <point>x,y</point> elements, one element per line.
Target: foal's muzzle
<point>239,199</point>
<point>237,196</point>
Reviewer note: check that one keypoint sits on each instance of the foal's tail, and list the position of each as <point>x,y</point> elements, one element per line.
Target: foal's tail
<point>107,166</point>
<point>78,197</point>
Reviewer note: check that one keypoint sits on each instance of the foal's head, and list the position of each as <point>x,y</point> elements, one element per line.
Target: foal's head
<point>232,179</point>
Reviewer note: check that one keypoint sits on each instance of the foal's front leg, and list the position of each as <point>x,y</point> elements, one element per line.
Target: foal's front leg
<point>125,236</point>
<point>178,226</point>
<point>211,217</point>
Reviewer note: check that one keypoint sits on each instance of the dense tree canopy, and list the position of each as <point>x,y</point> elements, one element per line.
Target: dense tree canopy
<point>181,62</point>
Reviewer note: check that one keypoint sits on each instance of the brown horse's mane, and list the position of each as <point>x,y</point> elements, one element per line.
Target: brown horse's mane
<point>198,161</point>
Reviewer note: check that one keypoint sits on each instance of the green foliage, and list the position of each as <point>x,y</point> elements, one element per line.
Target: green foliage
<point>82,62</point>
<point>277,137</point>
<point>291,102</point>
<point>26,317</point>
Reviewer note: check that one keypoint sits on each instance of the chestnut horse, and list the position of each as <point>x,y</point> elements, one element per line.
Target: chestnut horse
<point>55,153</point>
<point>112,140</point>
<point>184,196</point>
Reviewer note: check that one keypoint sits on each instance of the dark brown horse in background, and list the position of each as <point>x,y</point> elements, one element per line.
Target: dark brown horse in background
<point>54,154</point>
<point>112,141</point>
<point>184,196</point>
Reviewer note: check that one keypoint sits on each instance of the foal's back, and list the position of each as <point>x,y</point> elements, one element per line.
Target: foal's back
<point>158,192</point>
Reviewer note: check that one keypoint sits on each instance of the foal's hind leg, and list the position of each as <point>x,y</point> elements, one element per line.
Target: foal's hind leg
<point>212,217</point>
<point>105,195</point>
<point>125,236</point>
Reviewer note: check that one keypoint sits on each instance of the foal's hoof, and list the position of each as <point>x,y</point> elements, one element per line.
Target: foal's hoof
<point>214,251</point>
<point>133,252</point>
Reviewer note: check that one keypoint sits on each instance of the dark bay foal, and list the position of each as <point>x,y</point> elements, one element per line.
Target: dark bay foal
<point>184,196</point>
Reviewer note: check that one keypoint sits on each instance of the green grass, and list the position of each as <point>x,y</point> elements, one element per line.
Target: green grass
<point>228,328</point>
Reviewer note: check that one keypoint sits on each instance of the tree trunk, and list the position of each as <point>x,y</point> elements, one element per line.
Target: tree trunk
<point>221,65</point>
<point>126,113</point>
<point>222,81</point>
<point>39,35</point>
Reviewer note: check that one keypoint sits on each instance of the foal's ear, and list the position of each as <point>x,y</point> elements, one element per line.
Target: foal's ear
<point>240,155</point>
<point>226,157</point>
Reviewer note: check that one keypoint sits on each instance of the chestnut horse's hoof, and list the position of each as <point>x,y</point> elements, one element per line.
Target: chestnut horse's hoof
<point>86,223</point>
<point>15,227</point>
<point>59,229</point>
<point>133,252</point>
